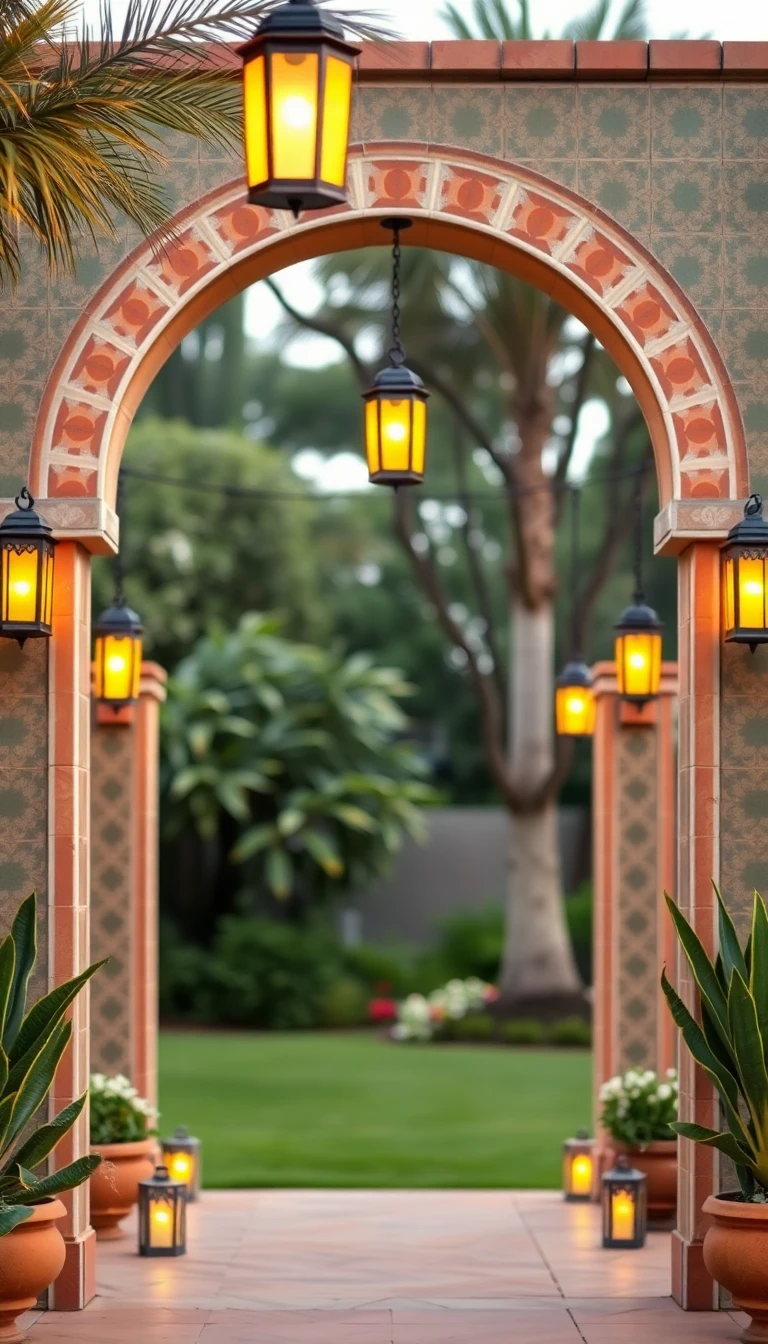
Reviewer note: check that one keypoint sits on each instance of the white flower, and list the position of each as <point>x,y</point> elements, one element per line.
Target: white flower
<point>672,1074</point>
<point>665,1092</point>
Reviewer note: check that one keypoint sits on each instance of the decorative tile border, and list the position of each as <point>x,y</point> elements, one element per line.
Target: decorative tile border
<point>652,328</point>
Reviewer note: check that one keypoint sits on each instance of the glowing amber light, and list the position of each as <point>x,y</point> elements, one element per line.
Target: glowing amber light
<point>625,1206</point>
<point>26,584</point>
<point>162,1215</point>
<point>180,1167</point>
<point>396,428</point>
<point>622,1216</point>
<point>297,97</point>
<point>639,653</point>
<point>745,578</point>
<point>182,1154</point>
<point>161,1219</point>
<point>578,1167</point>
<point>575,708</point>
<point>117,657</point>
<point>581,1175</point>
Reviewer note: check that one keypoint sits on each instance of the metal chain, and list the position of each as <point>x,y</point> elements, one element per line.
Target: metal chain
<point>575,558</point>
<point>119,599</point>
<point>397,353</point>
<point>639,593</point>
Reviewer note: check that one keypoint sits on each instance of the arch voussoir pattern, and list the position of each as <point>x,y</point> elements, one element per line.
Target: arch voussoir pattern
<point>519,216</point>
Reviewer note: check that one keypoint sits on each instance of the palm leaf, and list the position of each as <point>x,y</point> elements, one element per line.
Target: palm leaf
<point>725,1142</point>
<point>703,971</point>
<point>38,1081</point>
<point>24,935</point>
<point>42,1143</point>
<point>731,954</point>
<point>48,1011</point>
<point>758,968</point>
<point>60,1181</point>
<point>7,968</point>
<point>748,1049</point>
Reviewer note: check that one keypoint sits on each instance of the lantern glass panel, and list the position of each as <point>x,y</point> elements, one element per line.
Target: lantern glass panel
<point>21,584</point>
<point>161,1223</point>
<point>581,1175</point>
<point>638,664</point>
<point>118,667</point>
<point>419,451</point>
<point>337,103</point>
<point>396,434</point>
<point>623,1215</point>
<point>372,436</point>
<point>255,95</point>
<point>46,605</point>
<point>294,97</point>
<point>730,600</point>
<point>575,711</point>
<point>752,593</point>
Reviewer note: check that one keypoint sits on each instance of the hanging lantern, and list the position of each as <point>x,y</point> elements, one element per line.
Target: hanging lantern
<point>297,90</point>
<point>639,631</point>
<point>117,656</point>
<point>578,1167</point>
<point>26,546</point>
<point>162,1215</point>
<point>182,1157</point>
<point>625,1207</point>
<point>745,578</point>
<point>396,404</point>
<point>575,708</point>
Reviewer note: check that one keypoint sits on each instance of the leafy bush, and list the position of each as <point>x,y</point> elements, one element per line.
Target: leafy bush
<point>344,1003</point>
<point>384,971</point>
<point>470,944</point>
<point>118,1113</point>
<point>639,1107</point>
<point>570,1031</point>
<point>475,1027</point>
<point>578,917</point>
<point>523,1032</point>
<point>33,1043</point>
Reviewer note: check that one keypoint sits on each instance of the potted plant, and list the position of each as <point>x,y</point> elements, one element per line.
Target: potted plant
<point>33,1042</point>
<point>639,1109</point>
<point>730,1043</point>
<point>122,1130</point>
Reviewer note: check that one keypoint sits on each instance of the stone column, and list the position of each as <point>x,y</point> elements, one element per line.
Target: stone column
<point>124,823</point>
<point>634,863</point>
<point>699,861</point>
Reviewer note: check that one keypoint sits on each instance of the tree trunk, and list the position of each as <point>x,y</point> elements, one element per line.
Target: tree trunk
<point>538,963</point>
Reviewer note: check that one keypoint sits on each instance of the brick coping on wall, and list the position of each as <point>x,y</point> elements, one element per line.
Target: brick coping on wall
<point>553,59</point>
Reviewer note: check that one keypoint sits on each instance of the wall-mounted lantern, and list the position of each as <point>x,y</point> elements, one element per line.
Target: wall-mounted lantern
<point>26,568</point>
<point>297,90</point>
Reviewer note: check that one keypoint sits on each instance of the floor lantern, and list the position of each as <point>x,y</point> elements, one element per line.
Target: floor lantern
<point>297,97</point>
<point>162,1215</point>
<point>745,573</point>
<point>26,551</point>
<point>575,707</point>
<point>182,1156</point>
<point>639,631</point>
<point>396,404</point>
<point>578,1167</point>
<point>625,1207</point>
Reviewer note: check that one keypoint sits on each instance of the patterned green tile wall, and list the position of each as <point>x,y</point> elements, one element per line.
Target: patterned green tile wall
<point>685,167</point>
<point>111,907</point>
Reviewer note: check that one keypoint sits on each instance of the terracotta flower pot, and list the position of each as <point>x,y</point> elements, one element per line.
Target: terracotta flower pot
<point>736,1255</point>
<point>31,1257</point>
<point>115,1184</point>
<point>658,1162</point>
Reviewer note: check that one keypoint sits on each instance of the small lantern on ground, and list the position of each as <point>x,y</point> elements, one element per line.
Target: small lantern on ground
<point>575,708</point>
<point>396,404</point>
<point>162,1215</point>
<point>578,1167</point>
<point>26,549</point>
<point>745,578</point>
<point>297,90</point>
<point>625,1207</point>
<point>117,656</point>
<point>182,1157</point>
<point>639,632</point>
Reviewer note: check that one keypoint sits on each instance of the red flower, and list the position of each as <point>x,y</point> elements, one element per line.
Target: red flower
<point>382,1010</point>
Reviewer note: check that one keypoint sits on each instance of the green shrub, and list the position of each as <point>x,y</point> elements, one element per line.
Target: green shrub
<point>523,1032</point>
<point>474,1027</point>
<point>571,1031</point>
<point>377,967</point>
<point>471,943</point>
<point>344,1003</point>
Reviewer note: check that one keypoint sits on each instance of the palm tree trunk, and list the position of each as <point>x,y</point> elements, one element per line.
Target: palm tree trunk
<point>538,963</point>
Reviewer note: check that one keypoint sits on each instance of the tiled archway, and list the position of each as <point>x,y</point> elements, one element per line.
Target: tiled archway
<point>461,202</point>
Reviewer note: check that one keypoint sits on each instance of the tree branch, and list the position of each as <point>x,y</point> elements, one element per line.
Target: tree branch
<point>323,327</point>
<point>581,385</point>
<point>434,379</point>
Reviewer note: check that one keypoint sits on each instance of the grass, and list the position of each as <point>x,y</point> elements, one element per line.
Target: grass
<point>353,1110</point>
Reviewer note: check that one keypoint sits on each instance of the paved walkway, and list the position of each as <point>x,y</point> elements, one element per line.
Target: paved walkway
<point>387,1267</point>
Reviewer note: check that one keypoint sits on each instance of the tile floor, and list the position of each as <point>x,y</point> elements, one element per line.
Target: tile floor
<point>386,1267</point>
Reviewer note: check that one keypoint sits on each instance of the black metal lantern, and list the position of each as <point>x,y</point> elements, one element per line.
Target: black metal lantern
<point>745,576</point>
<point>182,1156</point>
<point>639,631</point>
<point>162,1215</point>
<point>396,404</point>
<point>117,656</point>
<point>625,1207</point>
<point>26,548</point>
<point>578,1167</point>
<point>297,90</point>
<point>575,707</point>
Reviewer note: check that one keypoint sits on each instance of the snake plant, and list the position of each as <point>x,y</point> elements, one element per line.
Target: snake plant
<point>32,1043</point>
<point>730,1042</point>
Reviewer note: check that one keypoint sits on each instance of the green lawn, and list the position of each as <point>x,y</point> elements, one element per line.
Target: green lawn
<point>354,1110</point>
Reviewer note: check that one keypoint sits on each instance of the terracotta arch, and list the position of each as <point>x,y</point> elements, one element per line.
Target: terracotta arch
<point>460,202</point>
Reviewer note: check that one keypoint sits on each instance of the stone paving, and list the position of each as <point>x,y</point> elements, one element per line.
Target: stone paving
<point>386,1267</point>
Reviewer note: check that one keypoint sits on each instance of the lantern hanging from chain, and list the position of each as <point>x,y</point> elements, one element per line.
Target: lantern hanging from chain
<point>638,630</point>
<point>118,643</point>
<point>396,404</point>
<point>575,709</point>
